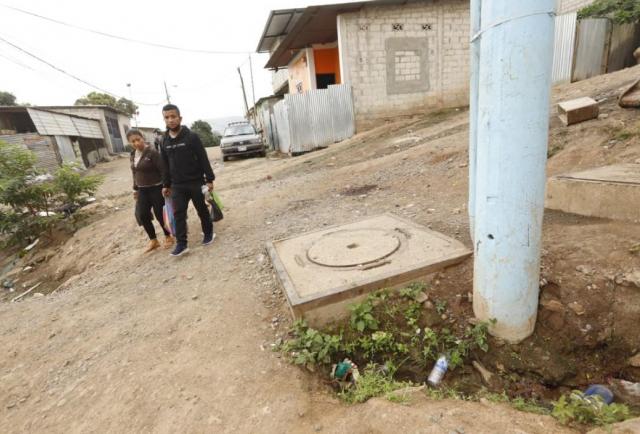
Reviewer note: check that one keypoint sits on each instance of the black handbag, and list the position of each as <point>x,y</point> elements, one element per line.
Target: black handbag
<point>216,212</point>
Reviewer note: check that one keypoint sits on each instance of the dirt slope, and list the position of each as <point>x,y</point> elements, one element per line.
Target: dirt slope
<point>147,343</point>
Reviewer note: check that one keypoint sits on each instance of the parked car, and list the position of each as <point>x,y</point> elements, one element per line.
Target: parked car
<point>241,138</point>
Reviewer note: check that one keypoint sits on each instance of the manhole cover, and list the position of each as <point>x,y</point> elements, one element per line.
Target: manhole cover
<point>349,248</point>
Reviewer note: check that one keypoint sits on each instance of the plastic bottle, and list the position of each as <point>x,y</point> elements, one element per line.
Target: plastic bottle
<point>602,391</point>
<point>438,371</point>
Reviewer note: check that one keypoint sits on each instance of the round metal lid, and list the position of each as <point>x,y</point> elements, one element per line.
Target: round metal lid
<point>350,248</point>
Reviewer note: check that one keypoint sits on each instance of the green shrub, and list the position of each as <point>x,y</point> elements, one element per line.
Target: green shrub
<point>310,347</point>
<point>28,196</point>
<point>620,11</point>
<point>72,184</point>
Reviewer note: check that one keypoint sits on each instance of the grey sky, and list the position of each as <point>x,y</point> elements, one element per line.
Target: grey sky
<point>203,85</point>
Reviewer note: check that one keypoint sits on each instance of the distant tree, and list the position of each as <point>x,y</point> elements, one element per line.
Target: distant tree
<point>7,98</point>
<point>620,11</point>
<point>97,98</point>
<point>127,106</point>
<point>208,137</point>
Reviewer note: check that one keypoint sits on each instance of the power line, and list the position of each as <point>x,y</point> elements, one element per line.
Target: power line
<point>51,65</point>
<point>12,60</point>
<point>123,38</point>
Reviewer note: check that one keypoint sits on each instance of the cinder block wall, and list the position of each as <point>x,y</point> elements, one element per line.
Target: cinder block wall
<point>565,6</point>
<point>402,60</point>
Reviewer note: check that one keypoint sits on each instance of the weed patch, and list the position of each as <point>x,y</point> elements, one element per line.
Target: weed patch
<point>375,381</point>
<point>577,408</point>
<point>388,329</point>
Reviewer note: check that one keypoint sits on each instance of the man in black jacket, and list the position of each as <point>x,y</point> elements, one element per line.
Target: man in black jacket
<point>188,170</point>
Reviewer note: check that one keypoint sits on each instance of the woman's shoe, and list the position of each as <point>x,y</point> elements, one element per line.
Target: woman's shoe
<point>153,244</point>
<point>169,241</point>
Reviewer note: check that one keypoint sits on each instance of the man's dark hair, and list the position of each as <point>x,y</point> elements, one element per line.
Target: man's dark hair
<point>168,107</point>
<point>134,132</point>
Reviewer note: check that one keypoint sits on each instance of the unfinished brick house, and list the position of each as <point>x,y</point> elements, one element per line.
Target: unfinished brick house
<point>399,56</point>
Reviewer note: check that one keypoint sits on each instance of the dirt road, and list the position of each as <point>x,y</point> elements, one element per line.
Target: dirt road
<point>149,343</point>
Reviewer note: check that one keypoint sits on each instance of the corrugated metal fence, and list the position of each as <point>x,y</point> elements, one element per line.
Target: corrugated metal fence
<point>625,38</point>
<point>602,47</point>
<point>266,120</point>
<point>592,44</point>
<point>314,119</point>
<point>282,126</point>
<point>563,46</point>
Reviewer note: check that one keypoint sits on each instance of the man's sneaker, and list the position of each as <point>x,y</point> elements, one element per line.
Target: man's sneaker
<point>180,250</point>
<point>208,239</point>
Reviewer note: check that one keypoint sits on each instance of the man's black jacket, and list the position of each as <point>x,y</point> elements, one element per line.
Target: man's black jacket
<point>186,159</point>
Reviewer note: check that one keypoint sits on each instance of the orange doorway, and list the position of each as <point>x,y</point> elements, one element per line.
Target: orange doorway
<point>327,65</point>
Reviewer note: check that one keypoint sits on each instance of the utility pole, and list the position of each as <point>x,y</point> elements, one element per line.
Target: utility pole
<point>135,115</point>
<point>244,94</point>
<point>473,112</point>
<point>166,91</point>
<point>253,94</point>
<point>510,122</point>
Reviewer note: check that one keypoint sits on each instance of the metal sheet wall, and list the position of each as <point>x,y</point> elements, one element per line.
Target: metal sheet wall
<point>344,123</point>
<point>42,146</point>
<point>282,126</point>
<point>625,38</point>
<point>268,130</point>
<point>563,47</point>
<point>65,148</point>
<point>315,119</point>
<point>592,46</point>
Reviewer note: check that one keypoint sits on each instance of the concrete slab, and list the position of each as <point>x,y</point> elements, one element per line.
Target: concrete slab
<point>578,110</point>
<point>322,272</point>
<point>608,192</point>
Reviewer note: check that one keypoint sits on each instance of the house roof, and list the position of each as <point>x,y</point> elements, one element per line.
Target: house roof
<point>24,109</point>
<point>312,25</point>
<point>279,23</point>
<point>51,123</point>
<point>69,107</point>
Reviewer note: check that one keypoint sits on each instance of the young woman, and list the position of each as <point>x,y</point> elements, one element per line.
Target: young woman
<point>148,169</point>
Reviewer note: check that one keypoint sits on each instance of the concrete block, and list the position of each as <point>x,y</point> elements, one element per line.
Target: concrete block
<point>325,271</point>
<point>609,192</point>
<point>578,110</point>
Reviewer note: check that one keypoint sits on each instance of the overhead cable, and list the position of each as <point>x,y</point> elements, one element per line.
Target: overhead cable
<point>123,38</point>
<point>51,65</point>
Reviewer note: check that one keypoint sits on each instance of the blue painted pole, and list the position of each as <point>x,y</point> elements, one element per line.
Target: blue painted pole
<point>514,83</point>
<point>473,112</point>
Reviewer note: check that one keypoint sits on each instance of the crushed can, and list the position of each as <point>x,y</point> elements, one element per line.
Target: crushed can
<point>438,371</point>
